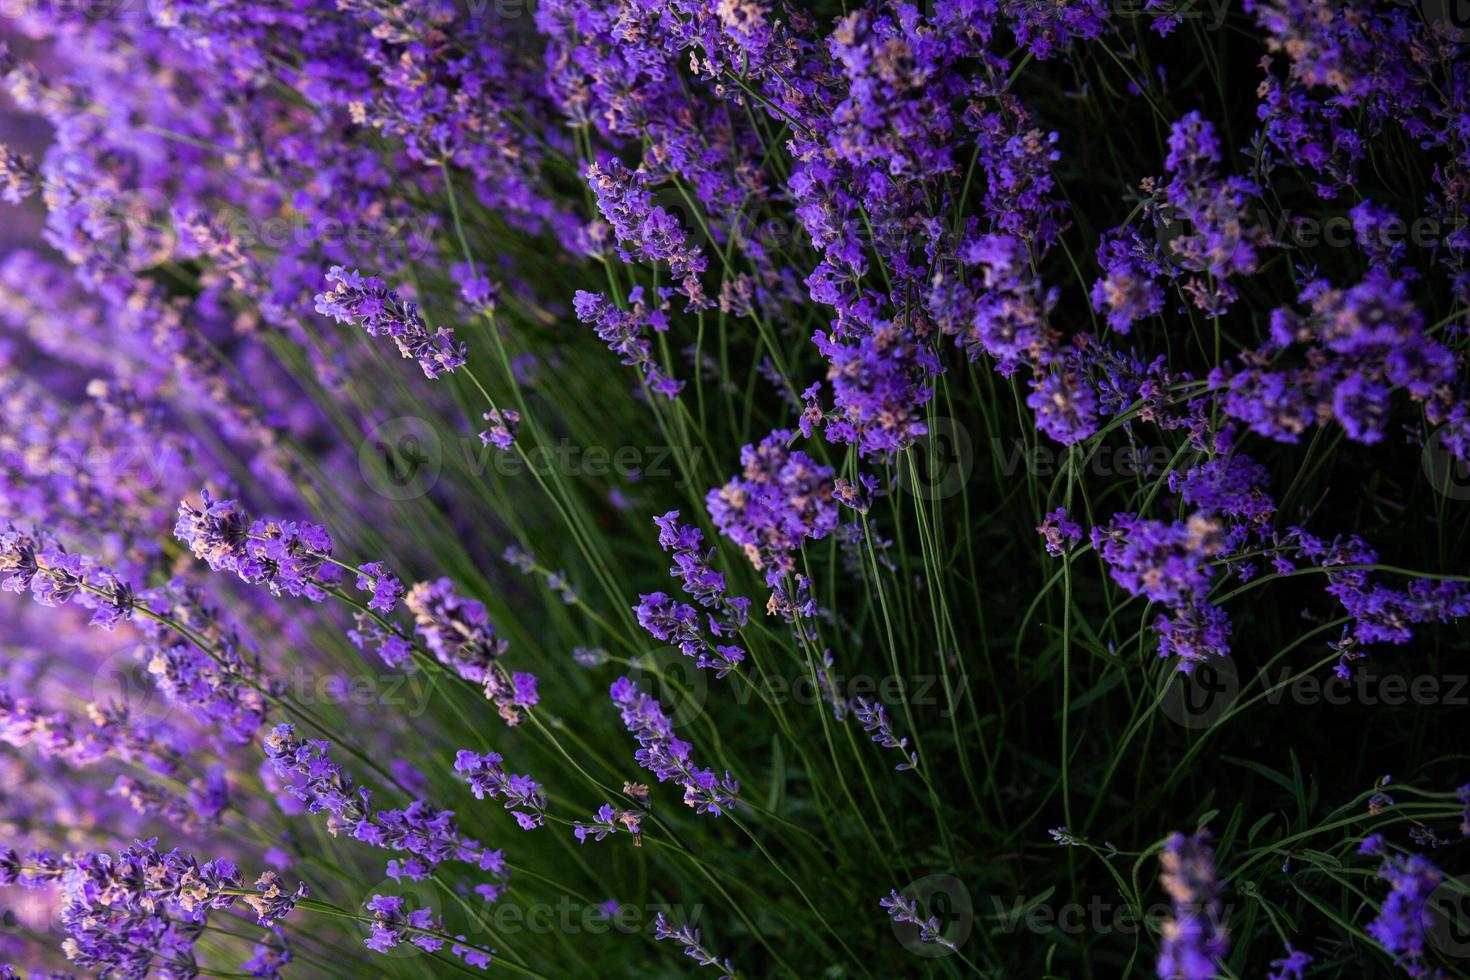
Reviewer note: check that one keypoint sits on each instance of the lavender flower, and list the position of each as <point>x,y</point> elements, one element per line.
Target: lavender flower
<point>18,176</point>
<point>874,718</point>
<point>783,498</point>
<point>610,820</point>
<point>906,911</point>
<point>693,947</point>
<point>504,424</point>
<point>140,911</point>
<point>1194,938</point>
<point>1291,967</point>
<point>1402,921</point>
<point>1060,534</point>
<point>422,836</point>
<point>392,925</point>
<point>369,303</point>
<point>523,796</point>
<point>667,756</point>
<point>286,556</point>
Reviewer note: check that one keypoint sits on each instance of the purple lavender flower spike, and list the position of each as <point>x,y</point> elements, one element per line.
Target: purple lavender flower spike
<point>1402,923</point>
<point>368,302</point>
<point>1194,937</point>
<point>487,777</point>
<point>693,947</point>
<point>665,755</point>
<point>874,718</point>
<point>906,911</point>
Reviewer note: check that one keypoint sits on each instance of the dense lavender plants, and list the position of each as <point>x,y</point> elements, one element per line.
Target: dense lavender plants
<point>954,420</point>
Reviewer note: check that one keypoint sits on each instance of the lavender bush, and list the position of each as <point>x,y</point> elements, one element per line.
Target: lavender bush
<point>968,489</point>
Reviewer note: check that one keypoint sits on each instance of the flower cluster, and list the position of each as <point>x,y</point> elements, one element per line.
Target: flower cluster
<point>782,498</point>
<point>423,836</point>
<point>1405,917</point>
<point>141,910</point>
<point>367,302</point>
<point>1194,938</point>
<point>666,755</point>
<point>523,796</point>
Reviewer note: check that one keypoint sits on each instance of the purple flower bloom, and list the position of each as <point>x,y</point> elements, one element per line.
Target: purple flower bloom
<point>142,910</point>
<point>386,588</point>
<point>665,755</point>
<point>1194,938</point>
<point>287,556</point>
<point>1060,534</point>
<point>874,718</point>
<point>693,947</point>
<point>456,630</point>
<point>610,820</point>
<point>369,303</point>
<point>1402,921</point>
<point>782,498</point>
<point>18,176</point>
<point>1065,406</point>
<point>504,424</point>
<point>623,332</point>
<point>523,796</point>
<point>906,911</point>
<point>1291,967</point>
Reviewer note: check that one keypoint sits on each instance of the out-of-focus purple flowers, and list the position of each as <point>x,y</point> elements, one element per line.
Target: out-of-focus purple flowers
<point>1195,938</point>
